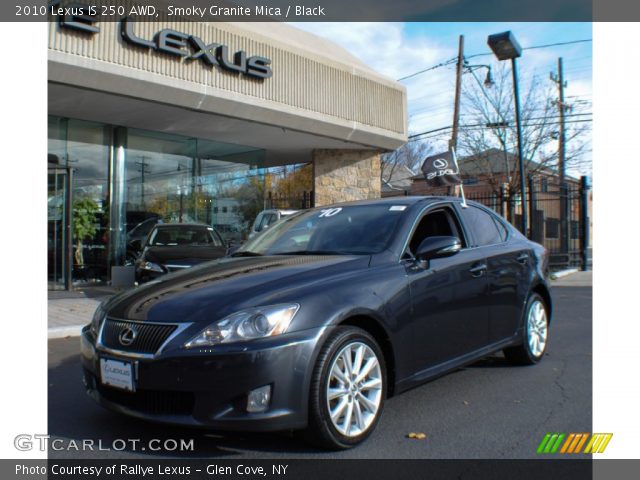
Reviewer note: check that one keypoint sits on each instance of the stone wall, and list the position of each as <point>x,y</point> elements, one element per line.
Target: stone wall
<point>345,175</point>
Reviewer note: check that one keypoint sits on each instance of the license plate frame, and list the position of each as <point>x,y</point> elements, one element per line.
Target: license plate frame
<point>118,374</point>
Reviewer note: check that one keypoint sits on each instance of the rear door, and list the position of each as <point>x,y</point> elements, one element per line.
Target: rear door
<point>507,263</point>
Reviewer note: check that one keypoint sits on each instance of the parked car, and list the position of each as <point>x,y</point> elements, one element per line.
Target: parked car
<point>266,218</point>
<point>311,325</point>
<point>137,236</point>
<point>170,247</point>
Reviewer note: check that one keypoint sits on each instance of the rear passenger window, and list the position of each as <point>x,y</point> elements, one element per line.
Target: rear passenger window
<point>482,226</point>
<point>502,230</point>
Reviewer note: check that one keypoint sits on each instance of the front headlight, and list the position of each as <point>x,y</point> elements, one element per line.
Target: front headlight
<point>153,267</point>
<point>97,319</point>
<point>246,325</point>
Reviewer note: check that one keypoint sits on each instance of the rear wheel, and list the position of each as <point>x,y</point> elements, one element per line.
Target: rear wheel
<point>348,389</point>
<point>534,334</point>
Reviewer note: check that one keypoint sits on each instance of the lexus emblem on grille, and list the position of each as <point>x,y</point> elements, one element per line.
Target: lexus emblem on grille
<point>127,336</point>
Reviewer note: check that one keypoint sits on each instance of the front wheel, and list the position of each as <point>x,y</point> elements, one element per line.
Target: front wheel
<point>535,334</point>
<point>348,389</point>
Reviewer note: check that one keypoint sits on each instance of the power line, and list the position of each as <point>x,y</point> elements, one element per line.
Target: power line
<point>482,126</point>
<point>443,64</point>
<point>454,59</point>
<point>548,45</point>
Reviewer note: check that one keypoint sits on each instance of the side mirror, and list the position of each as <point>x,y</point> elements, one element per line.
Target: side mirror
<point>438,247</point>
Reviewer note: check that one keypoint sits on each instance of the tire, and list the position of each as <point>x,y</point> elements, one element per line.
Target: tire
<point>535,334</point>
<point>340,434</point>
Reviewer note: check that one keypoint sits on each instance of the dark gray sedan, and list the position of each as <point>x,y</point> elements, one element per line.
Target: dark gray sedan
<point>171,247</point>
<point>311,325</point>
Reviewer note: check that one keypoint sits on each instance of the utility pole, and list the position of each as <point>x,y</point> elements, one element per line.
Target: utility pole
<point>143,168</point>
<point>562,168</point>
<point>559,80</point>
<point>453,143</point>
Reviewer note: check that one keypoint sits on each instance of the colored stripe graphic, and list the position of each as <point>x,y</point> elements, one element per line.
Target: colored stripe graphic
<point>550,443</point>
<point>573,442</point>
<point>543,443</point>
<point>598,443</point>
<point>568,442</point>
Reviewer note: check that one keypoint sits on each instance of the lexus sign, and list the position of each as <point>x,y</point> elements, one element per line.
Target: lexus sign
<point>179,44</point>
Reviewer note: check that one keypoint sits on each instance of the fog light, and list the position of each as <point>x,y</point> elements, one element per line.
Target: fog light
<point>258,400</point>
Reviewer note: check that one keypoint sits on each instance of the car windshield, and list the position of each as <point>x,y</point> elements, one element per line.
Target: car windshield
<point>356,229</point>
<point>183,235</point>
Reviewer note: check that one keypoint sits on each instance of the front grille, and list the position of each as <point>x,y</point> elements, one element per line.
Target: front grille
<point>151,401</point>
<point>148,338</point>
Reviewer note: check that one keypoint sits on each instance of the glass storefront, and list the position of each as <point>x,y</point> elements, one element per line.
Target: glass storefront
<point>109,185</point>
<point>78,156</point>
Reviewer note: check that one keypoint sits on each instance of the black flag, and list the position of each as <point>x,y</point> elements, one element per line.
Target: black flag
<point>441,170</point>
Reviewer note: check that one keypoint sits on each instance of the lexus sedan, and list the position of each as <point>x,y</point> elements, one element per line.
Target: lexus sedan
<point>311,325</point>
<point>170,247</point>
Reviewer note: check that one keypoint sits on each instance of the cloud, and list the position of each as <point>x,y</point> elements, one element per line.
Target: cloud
<point>385,47</point>
<point>390,50</point>
<point>400,49</point>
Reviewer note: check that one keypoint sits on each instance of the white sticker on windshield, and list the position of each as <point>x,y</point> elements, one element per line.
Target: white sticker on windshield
<point>397,208</point>
<point>329,212</point>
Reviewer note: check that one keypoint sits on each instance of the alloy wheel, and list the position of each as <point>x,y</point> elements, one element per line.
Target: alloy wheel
<point>537,328</point>
<point>354,389</point>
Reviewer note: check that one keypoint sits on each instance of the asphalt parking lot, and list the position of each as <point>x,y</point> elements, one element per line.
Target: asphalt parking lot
<point>486,410</point>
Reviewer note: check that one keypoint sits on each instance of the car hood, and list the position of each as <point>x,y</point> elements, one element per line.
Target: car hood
<point>183,254</point>
<point>215,289</point>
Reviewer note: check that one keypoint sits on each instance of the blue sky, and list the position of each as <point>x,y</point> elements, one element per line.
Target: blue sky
<point>400,49</point>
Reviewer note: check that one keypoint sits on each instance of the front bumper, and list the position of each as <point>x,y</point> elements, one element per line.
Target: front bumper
<point>209,387</point>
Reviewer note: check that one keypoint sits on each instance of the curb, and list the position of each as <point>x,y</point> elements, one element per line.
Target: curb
<point>563,273</point>
<point>64,332</point>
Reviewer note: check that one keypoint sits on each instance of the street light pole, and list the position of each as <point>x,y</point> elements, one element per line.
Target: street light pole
<point>505,47</point>
<point>524,224</point>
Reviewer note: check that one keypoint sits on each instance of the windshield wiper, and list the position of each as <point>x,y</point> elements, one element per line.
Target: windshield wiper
<point>245,253</point>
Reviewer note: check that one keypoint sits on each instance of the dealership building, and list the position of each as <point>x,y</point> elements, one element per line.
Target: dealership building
<point>186,121</point>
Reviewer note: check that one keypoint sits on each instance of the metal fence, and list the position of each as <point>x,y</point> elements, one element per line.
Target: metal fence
<point>559,219</point>
<point>297,201</point>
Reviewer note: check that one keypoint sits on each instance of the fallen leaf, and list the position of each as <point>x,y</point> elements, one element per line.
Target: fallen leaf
<point>417,436</point>
<point>465,402</point>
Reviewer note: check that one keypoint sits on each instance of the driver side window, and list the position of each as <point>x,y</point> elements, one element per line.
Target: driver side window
<point>435,223</point>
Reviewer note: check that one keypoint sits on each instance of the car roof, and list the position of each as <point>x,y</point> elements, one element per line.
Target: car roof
<point>190,225</point>
<point>403,200</point>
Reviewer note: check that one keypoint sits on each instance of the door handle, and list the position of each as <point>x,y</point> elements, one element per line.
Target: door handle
<point>523,258</point>
<point>478,269</point>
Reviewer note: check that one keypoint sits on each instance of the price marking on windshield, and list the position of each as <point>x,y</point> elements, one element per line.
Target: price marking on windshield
<point>329,212</point>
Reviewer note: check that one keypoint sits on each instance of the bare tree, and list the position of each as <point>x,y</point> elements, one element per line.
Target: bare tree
<point>489,124</point>
<point>409,155</point>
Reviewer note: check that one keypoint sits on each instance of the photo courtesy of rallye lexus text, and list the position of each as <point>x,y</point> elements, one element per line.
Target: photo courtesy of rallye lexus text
<point>313,323</point>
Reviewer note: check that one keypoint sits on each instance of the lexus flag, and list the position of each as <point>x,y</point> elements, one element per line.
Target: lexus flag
<point>441,170</point>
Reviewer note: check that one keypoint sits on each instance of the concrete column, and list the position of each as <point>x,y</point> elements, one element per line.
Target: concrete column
<point>345,175</point>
